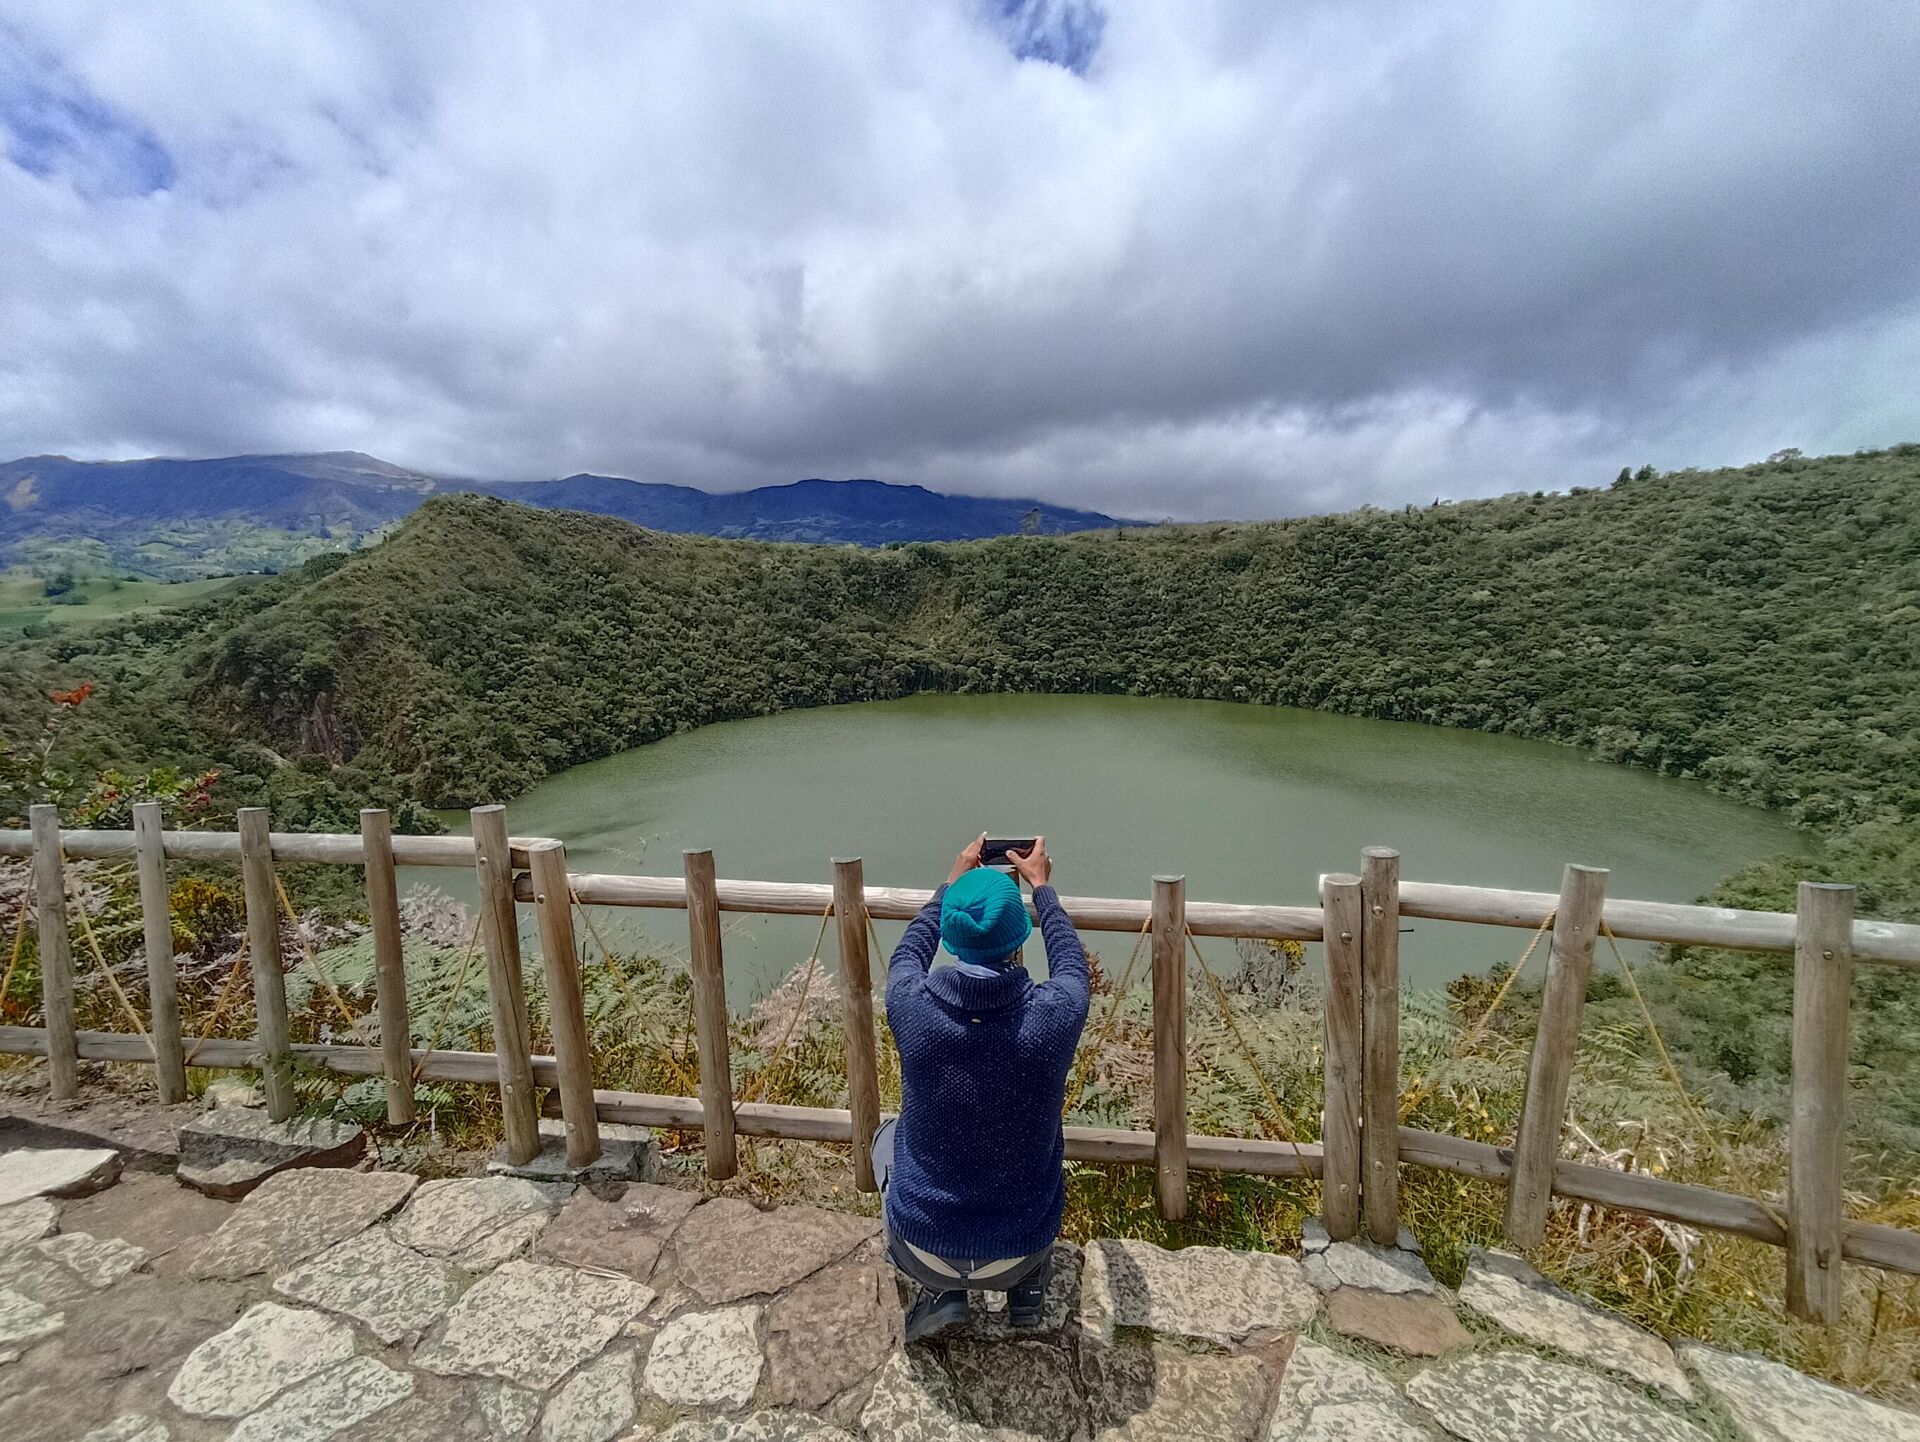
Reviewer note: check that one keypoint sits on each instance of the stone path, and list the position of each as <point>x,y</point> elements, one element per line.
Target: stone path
<point>369,1307</point>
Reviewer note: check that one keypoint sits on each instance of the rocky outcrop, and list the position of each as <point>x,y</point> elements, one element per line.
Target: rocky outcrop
<point>228,1152</point>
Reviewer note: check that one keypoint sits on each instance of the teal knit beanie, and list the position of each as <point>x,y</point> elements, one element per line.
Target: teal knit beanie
<point>982,918</point>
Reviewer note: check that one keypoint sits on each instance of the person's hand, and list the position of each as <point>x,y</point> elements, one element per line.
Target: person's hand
<point>967,859</point>
<point>1035,866</point>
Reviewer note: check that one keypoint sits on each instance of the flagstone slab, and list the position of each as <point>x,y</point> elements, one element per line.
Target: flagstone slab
<point>391,1290</point>
<point>914,1400</point>
<point>510,1411</point>
<point>595,1404</point>
<point>531,1324</point>
<point>297,1215</point>
<point>1019,1389</point>
<point>131,1428</point>
<point>270,1349</point>
<point>24,1321</point>
<point>67,1267</point>
<point>56,1172</point>
<point>1204,1292</point>
<point>28,1221</point>
<point>1410,1322</point>
<point>1314,1238</point>
<point>729,1249</point>
<point>97,1261</point>
<point>169,1221</point>
<point>754,1427</point>
<point>447,1409</point>
<point>478,1222</point>
<point>1505,1290</point>
<point>1362,1264</point>
<point>229,1151</point>
<point>34,1274</point>
<point>626,1236</point>
<point>1157,1392</point>
<point>335,1400</point>
<point>627,1154</point>
<point>145,1325</point>
<point>1327,1397</point>
<point>707,1359</point>
<point>1772,1403</point>
<point>1519,1397</point>
<point>829,1333</point>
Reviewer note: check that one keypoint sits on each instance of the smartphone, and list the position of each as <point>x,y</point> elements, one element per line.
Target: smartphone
<point>993,851</point>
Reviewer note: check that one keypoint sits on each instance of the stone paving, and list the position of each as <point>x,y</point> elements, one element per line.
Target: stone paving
<point>369,1307</point>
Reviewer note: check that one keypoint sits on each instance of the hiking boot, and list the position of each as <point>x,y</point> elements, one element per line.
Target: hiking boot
<point>935,1312</point>
<point>1027,1303</point>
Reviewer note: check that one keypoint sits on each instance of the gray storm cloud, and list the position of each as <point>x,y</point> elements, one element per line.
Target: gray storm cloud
<point>1175,259</point>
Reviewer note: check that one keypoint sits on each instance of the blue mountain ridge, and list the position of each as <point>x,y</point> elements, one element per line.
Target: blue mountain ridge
<point>347,493</point>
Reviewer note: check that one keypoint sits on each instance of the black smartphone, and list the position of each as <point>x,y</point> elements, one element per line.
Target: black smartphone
<point>993,851</point>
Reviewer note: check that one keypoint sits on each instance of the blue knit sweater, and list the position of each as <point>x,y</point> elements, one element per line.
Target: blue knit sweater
<point>984,1056</point>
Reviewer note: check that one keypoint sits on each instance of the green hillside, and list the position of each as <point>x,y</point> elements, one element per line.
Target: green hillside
<point>82,596</point>
<point>1757,628</point>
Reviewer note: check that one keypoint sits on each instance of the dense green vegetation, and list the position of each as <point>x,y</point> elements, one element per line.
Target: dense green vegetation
<point>1756,628</point>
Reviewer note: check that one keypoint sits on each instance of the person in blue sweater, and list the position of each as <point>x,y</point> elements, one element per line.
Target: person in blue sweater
<point>970,1172</point>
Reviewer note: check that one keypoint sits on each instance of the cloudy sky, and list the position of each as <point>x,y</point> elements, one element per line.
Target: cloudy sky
<point>1184,258</point>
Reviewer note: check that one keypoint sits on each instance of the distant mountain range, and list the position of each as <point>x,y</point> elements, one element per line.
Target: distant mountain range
<point>171,518</point>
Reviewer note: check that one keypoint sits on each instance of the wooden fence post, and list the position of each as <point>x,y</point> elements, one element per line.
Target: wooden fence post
<point>269,976</point>
<point>1340,1126</point>
<point>1170,1045</point>
<point>856,1013</point>
<point>1822,994</point>
<point>506,988</point>
<point>389,964</point>
<point>1380,1033</point>
<point>572,1052</point>
<point>1543,1111</point>
<point>156,923</point>
<point>56,952</point>
<point>710,1015</point>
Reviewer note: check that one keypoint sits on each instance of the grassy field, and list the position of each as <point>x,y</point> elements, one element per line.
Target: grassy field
<point>24,602</point>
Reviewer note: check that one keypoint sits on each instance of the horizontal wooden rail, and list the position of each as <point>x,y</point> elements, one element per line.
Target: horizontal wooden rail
<point>898,903</point>
<point>1874,941</point>
<point>1888,941</point>
<point>1868,1243</point>
<point>334,848</point>
<point>1084,1144</point>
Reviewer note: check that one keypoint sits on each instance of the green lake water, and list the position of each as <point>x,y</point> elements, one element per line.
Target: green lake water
<point>1250,803</point>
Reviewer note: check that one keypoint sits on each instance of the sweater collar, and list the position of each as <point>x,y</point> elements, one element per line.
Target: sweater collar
<point>974,988</point>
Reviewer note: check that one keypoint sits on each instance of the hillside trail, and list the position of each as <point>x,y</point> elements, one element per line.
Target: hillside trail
<point>360,1304</point>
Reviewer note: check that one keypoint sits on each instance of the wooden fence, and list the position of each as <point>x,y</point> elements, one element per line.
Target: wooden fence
<point>1358,920</point>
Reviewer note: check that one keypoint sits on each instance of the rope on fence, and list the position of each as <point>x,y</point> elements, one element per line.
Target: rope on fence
<point>662,1047</point>
<point>220,1003</point>
<point>19,935</point>
<point>1423,1087</point>
<point>1084,1066</point>
<point>453,997</point>
<point>354,1024</point>
<point>1687,1102</point>
<point>106,970</point>
<point>757,1087</point>
<point>1226,1013</point>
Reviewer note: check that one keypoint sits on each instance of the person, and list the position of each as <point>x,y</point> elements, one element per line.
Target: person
<point>970,1171</point>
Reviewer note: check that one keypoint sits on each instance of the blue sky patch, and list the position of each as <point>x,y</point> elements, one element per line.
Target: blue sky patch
<point>1061,32</point>
<point>53,125</point>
